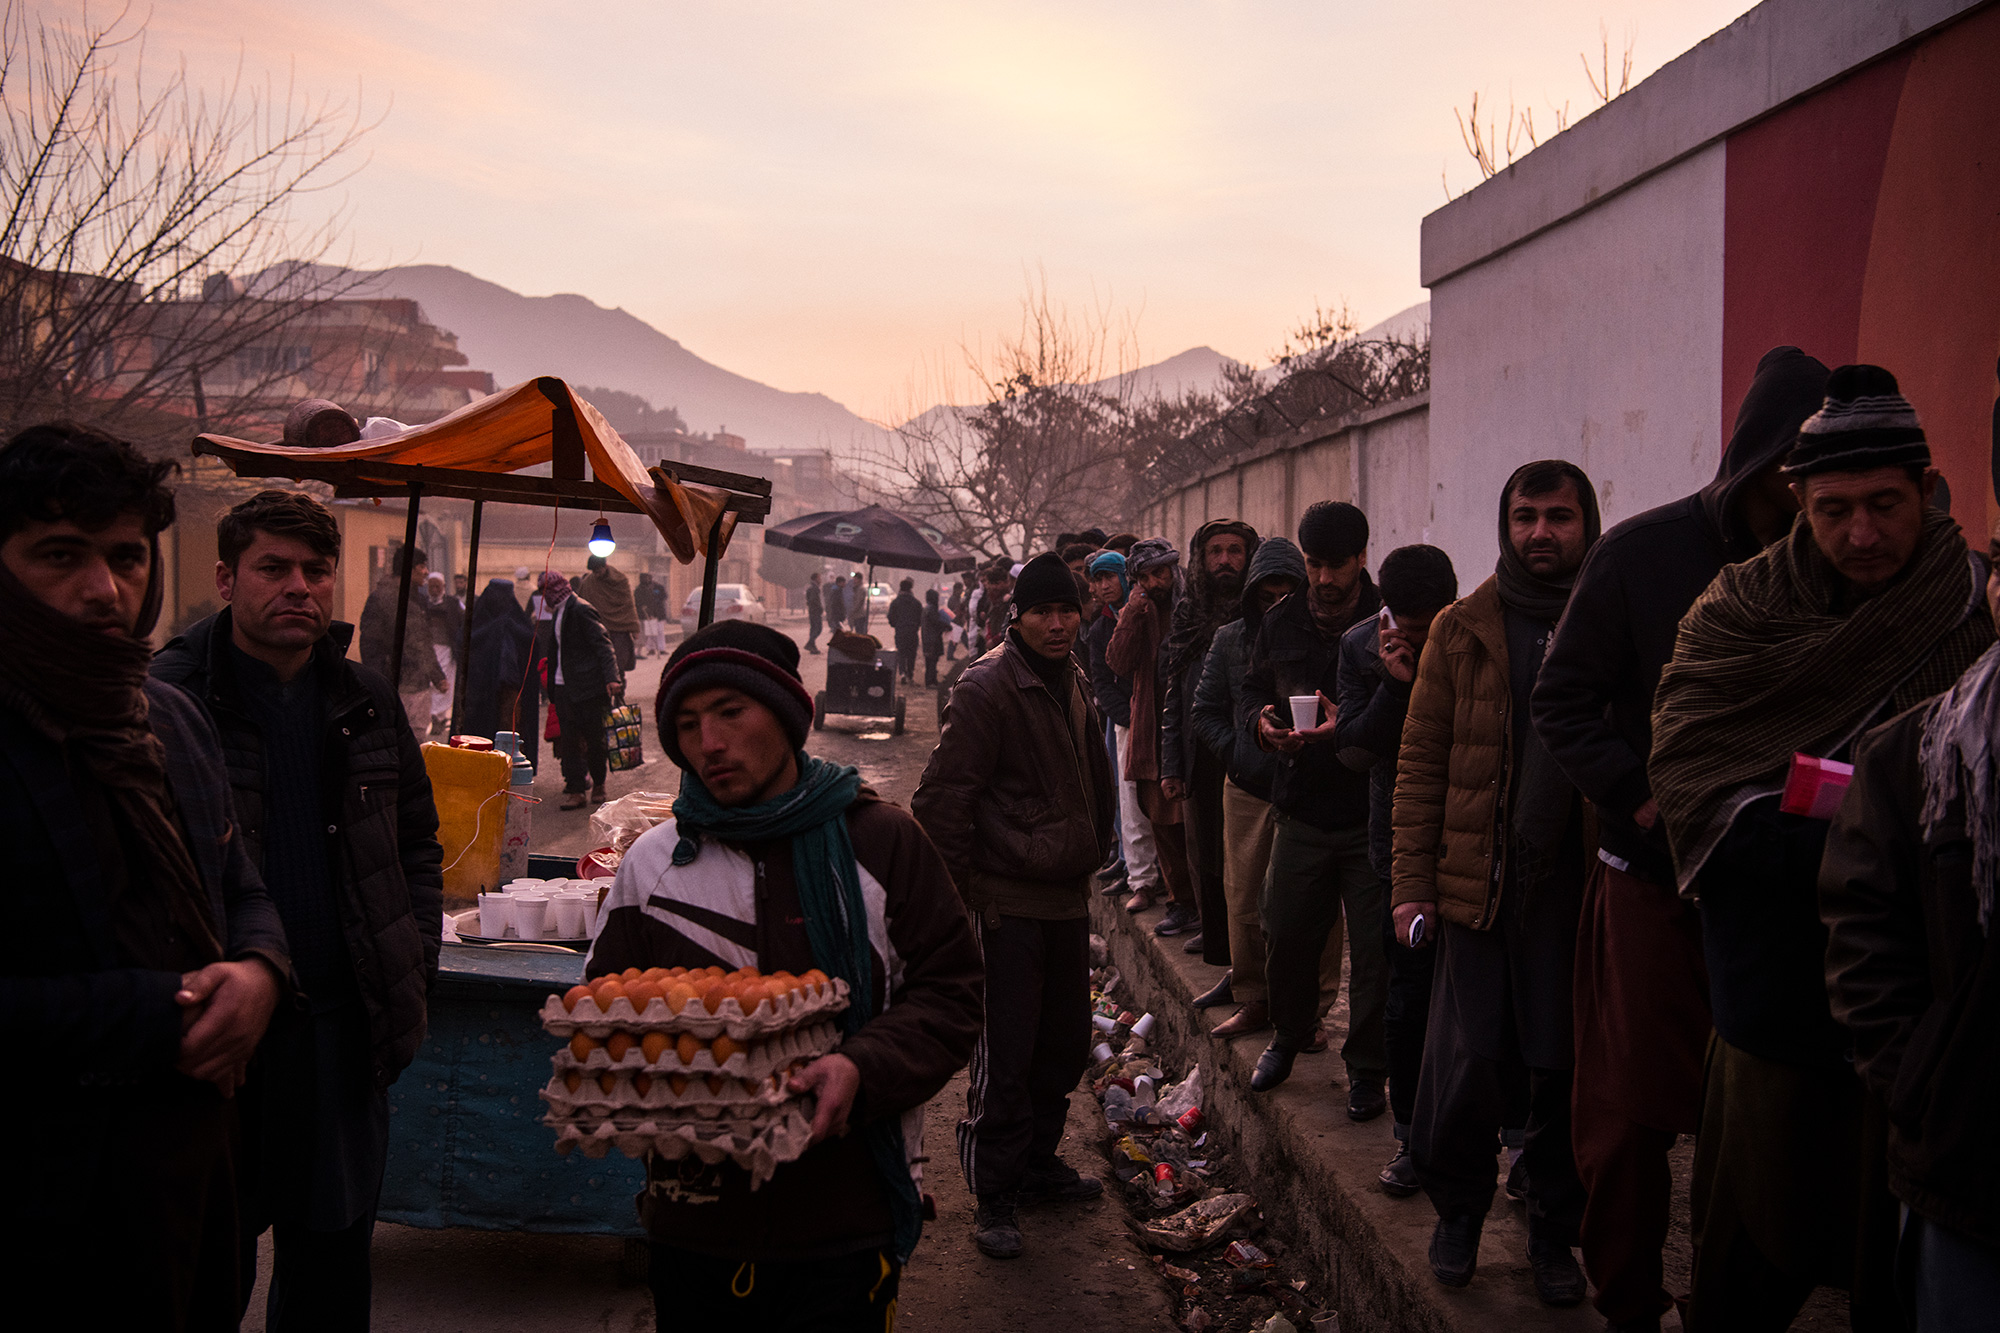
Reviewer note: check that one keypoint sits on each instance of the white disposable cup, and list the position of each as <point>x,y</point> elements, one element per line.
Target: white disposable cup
<point>565,916</point>
<point>524,886</point>
<point>531,914</point>
<point>1305,711</point>
<point>495,913</point>
<point>589,903</point>
<point>1144,1027</point>
<point>1101,1052</point>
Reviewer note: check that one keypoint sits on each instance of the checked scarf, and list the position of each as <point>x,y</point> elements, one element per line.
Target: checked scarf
<point>813,815</point>
<point>1771,662</point>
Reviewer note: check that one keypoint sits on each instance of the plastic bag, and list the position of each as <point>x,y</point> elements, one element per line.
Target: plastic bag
<point>624,738</point>
<point>618,824</point>
<point>1177,1099</point>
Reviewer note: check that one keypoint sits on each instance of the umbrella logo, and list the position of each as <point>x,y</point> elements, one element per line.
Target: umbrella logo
<point>846,530</point>
<point>931,534</point>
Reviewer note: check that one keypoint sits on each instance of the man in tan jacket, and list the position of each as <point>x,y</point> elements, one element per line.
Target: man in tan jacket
<point>1489,861</point>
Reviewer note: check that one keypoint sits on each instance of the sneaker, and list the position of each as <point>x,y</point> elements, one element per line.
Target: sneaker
<point>1455,1249</point>
<point>994,1228</point>
<point>1179,917</point>
<point>1399,1178</point>
<point>1056,1181</point>
<point>1558,1279</point>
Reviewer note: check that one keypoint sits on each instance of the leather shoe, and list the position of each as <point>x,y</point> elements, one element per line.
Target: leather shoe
<point>1365,1100</point>
<point>1254,1016</point>
<point>1273,1067</point>
<point>1455,1249</point>
<point>1219,993</point>
<point>1138,902</point>
<point>1558,1280</point>
<point>1399,1178</point>
<point>1318,1041</point>
<point>1194,943</point>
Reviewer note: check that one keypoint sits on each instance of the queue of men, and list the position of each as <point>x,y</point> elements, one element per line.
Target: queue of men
<point>1576,838</point>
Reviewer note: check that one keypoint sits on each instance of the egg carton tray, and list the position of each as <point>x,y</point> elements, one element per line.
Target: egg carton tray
<point>735,1097</point>
<point>795,1008</point>
<point>752,1063</point>
<point>758,1147</point>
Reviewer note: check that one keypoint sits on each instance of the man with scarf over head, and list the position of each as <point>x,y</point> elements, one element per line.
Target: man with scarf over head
<point>1018,798</point>
<point>1906,890</point>
<point>1134,652</point>
<point>1319,868</point>
<point>1190,770</point>
<point>775,860</point>
<point>1489,854</point>
<point>1871,604</point>
<point>1642,1019</point>
<point>143,957</point>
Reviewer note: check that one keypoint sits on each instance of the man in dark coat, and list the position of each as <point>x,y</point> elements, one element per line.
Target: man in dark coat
<point>936,625</point>
<point>1642,1019</point>
<point>421,675</point>
<point>143,959</point>
<point>859,597</point>
<point>906,618</point>
<point>836,604</point>
<point>1189,770</point>
<point>583,680</point>
<point>337,816</point>
<point>814,610</point>
<point>503,639</point>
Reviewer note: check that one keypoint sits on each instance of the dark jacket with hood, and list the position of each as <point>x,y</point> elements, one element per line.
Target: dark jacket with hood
<point>1915,981</point>
<point>1217,716</point>
<point>1112,691</point>
<point>1293,655</point>
<point>1371,705</point>
<point>1199,614</point>
<point>1593,701</point>
<point>381,838</point>
<point>584,654</point>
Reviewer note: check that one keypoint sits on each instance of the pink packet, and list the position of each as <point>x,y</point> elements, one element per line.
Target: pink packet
<point>1815,786</point>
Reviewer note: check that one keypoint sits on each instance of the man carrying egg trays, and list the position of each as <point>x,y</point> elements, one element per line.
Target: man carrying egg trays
<point>781,862</point>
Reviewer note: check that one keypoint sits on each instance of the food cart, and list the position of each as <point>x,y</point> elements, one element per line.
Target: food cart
<point>466,1144</point>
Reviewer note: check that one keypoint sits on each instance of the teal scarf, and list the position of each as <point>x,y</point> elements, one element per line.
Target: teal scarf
<point>813,815</point>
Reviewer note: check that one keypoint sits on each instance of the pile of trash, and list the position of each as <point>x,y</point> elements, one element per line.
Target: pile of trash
<point>1204,1238</point>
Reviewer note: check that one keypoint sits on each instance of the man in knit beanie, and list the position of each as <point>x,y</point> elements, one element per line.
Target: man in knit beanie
<point>1018,797</point>
<point>775,860</point>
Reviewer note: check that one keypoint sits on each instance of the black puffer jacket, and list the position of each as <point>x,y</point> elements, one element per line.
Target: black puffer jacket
<point>381,822</point>
<point>1292,655</point>
<point>1916,981</point>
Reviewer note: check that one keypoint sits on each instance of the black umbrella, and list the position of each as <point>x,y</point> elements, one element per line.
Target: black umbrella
<point>872,536</point>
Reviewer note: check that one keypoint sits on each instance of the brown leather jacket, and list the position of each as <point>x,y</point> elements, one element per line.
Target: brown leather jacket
<point>1018,795</point>
<point>1455,760</point>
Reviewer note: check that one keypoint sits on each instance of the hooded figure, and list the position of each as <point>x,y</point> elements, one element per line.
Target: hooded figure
<point>1642,1013</point>
<point>502,637</point>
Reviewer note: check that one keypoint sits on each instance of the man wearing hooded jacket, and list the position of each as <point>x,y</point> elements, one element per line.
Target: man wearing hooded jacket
<point>1489,854</point>
<point>1642,1017</point>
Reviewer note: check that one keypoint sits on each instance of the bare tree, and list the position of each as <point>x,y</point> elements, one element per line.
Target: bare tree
<point>126,202</point>
<point>1485,140</point>
<point>1043,454</point>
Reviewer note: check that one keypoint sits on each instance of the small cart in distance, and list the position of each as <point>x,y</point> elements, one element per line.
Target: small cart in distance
<point>859,686</point>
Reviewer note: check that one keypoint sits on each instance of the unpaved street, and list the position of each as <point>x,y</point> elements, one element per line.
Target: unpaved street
<point>1080,1270</point>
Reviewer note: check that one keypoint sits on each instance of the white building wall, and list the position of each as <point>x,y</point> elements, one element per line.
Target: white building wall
<point>1597,341</point>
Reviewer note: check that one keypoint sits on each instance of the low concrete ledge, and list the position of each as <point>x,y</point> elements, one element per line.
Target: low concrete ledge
<point>1314,1171</point>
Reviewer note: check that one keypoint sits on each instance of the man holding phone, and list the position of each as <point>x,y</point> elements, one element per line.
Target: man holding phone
<point>1490,852</point>
<point>1319,852</point>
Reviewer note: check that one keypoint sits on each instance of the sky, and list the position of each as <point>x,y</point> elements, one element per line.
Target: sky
<point>843,197</point>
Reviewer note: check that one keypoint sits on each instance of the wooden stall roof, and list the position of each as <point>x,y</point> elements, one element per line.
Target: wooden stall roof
<point>476,453</point>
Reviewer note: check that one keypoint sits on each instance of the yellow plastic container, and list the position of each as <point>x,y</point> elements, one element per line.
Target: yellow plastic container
<point>470,787</point>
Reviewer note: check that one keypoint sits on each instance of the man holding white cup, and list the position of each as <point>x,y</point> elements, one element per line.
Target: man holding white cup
<point>1319,853</point>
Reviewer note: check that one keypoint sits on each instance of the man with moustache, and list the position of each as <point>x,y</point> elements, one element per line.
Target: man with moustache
<point>1190,771</point>
<point>1018,799</point>
<point>1489,855</point>
<point>337,815</point>
<point>1134,653</point>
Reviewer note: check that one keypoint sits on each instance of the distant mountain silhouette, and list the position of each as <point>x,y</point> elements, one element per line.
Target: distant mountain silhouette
<point>518,337</point>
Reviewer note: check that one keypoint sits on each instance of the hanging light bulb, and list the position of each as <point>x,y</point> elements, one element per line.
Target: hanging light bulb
<point>601,541</point>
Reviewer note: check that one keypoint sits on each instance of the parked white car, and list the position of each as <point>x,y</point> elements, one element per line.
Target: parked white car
<point>733,601</point>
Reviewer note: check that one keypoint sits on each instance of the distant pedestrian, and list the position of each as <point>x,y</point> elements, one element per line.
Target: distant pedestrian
<point>1642,1012</point>
<point>1490,851</point>
<point>1017,797</point>
<point>1378,664</point>
<point>503,640</point>
<point>814,610</point>
<point>420,675</point>
<point>936,625</point>
<point>143,958</point>
<point>955,607</point>
<point>583,680</point>
<point>304,730</point>
<point>650,597</point>
<point>906,619</point>
<point>836,605</point>
<point>1872,604</point>
<point>1134,653</point>
<point>447,631</point>
<point>606,588</point>
<point>1133,865</point>
<point>859,597</point>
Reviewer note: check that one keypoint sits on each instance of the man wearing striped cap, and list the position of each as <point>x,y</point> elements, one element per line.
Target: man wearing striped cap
<point>1872,604</point>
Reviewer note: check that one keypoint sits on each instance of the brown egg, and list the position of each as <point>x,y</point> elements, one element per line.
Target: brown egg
<point>814,979</point>
<point>687,1047</point>
<point>676,973</point>
<point>607,1081</point>
<point>572,1080</point>
<point>630,975</point>
<point>716,1083</point>
<point>712,994</point>
<point>572,995</point>
<point>722,1048</point>
<point>654,975</point>
<point>642,1083</point>
<point>679,1083</point>
<point>608,990</point>
<point>679,996</point>
<point>581,1045</point>
<point>653,1045</point>
<point>641,994</point>
<point>616,1047</point>
<point>743,974</point>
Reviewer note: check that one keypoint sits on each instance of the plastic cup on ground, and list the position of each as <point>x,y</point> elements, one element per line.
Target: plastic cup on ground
<point>531,915</point>
<point>1144,1027</point>
<point>495,914</point>
<point>1305,711</point>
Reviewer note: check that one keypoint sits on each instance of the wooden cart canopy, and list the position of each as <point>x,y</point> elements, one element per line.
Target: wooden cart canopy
<point>476,453</point>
